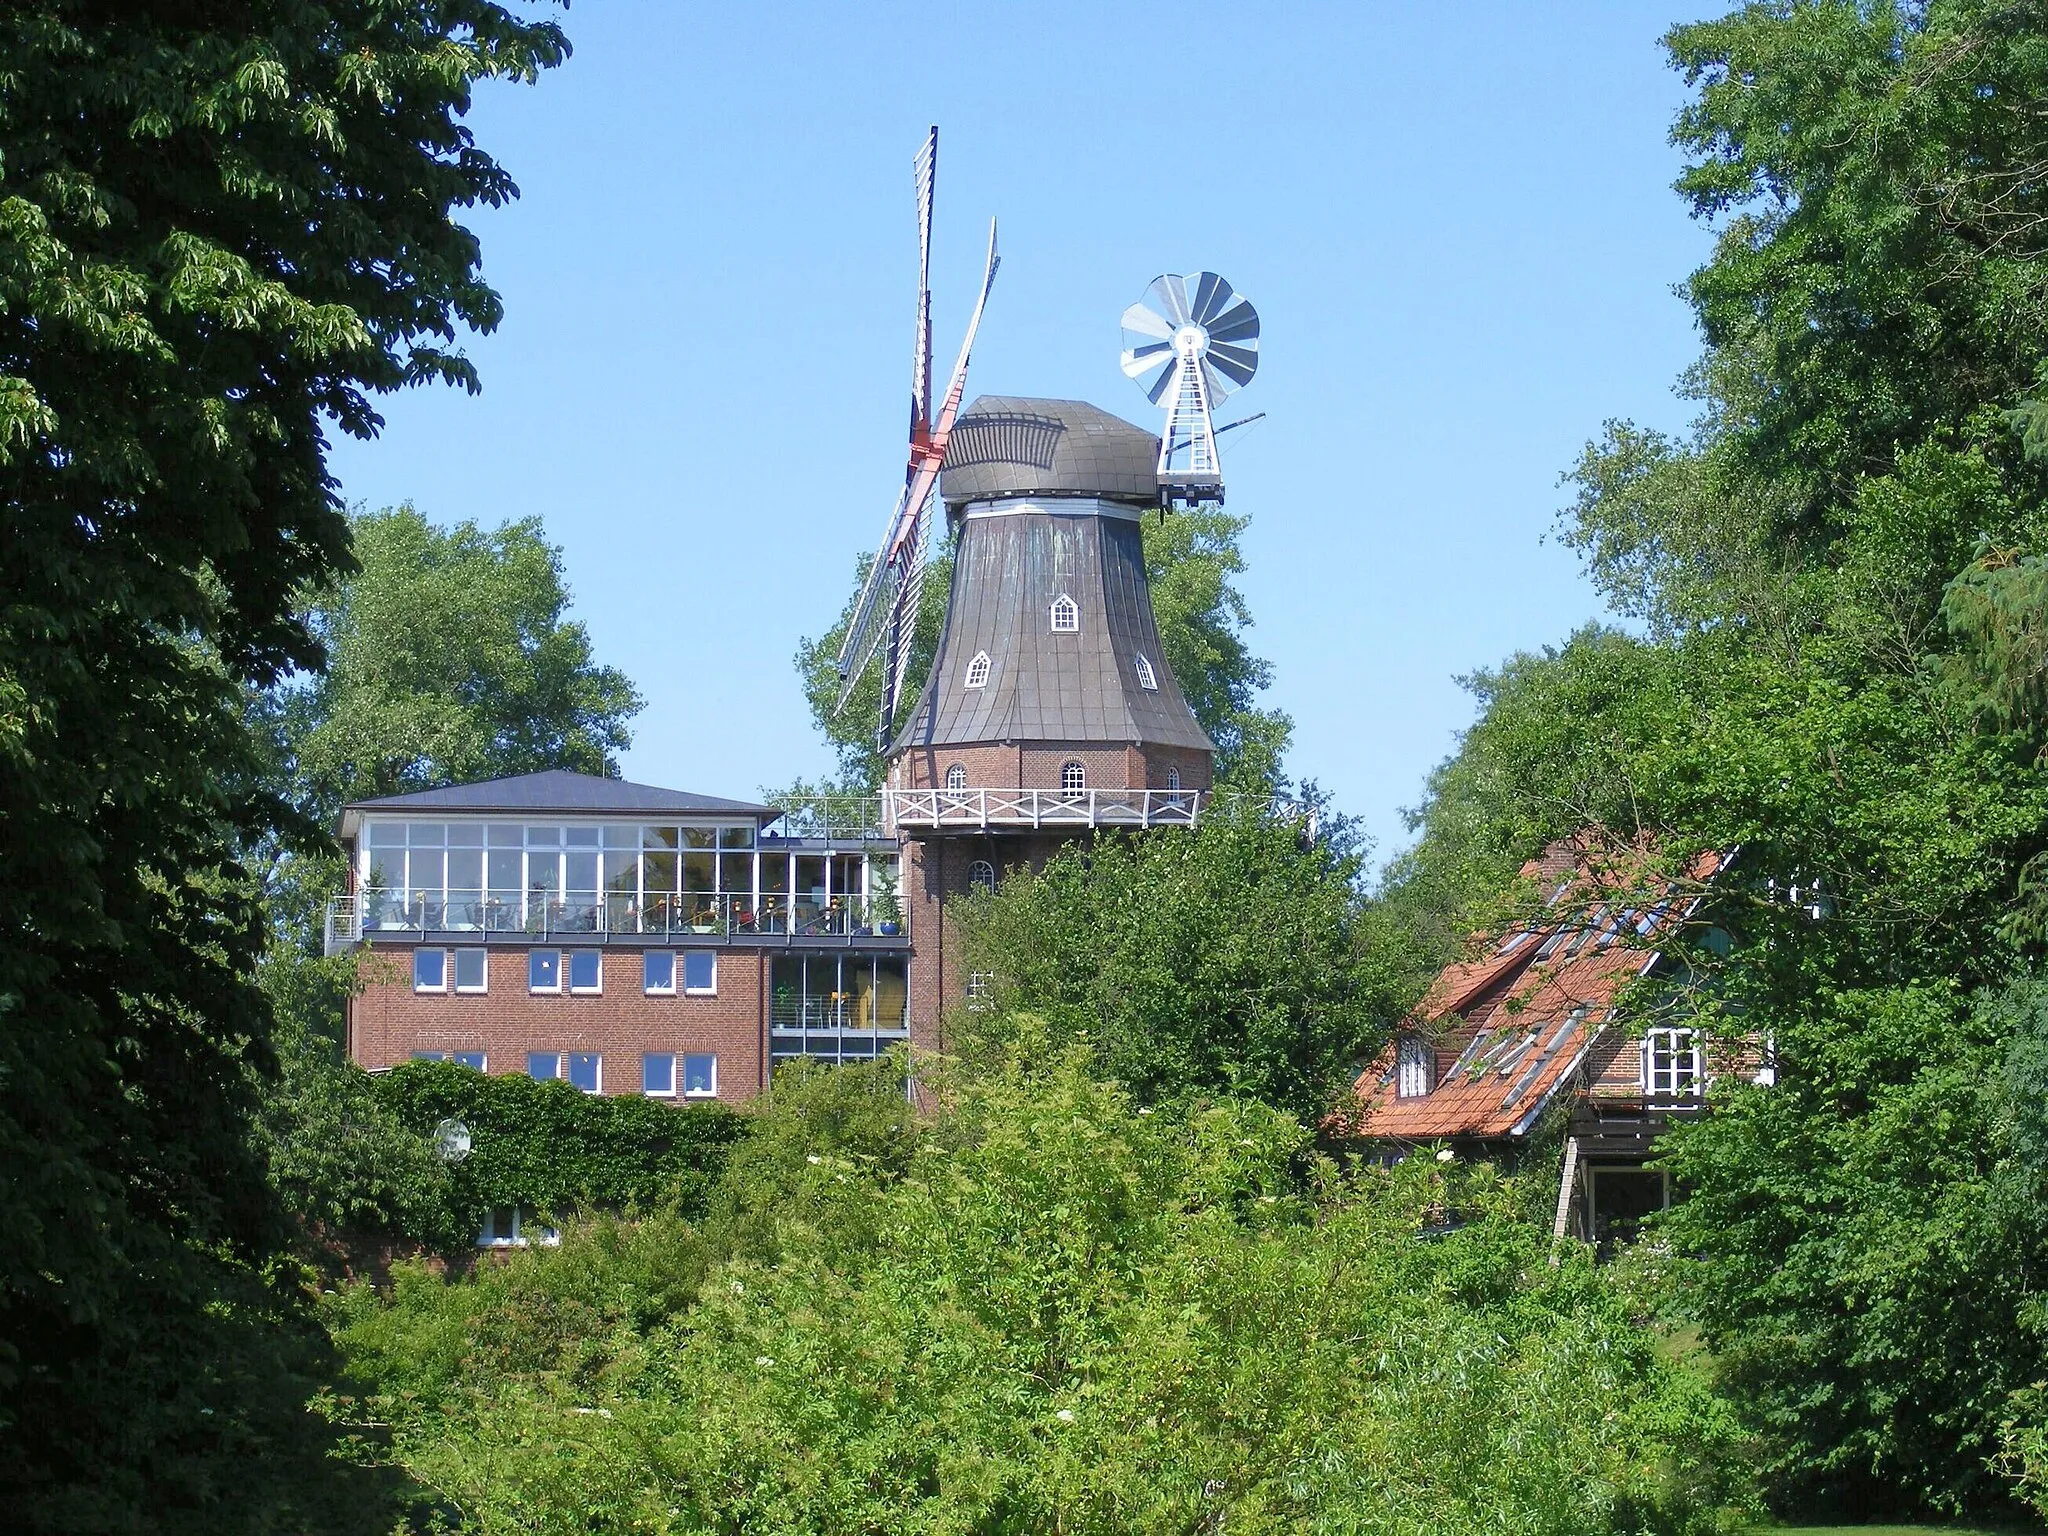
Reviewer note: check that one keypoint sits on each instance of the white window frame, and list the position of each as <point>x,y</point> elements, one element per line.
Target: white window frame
<point>447,966</point>
<point>683,1075</point>
<point>1064,616</point>
<point>658,1093</point>
<point>1147,678</point>
<point>541,987</point>
<point>977,671</point>
<point>647,988</point>
<point>981,876</point>
<point>956,776</point>
<point>481,1064</point>
<point>981,989</point>
<point>1073,768</point>
<point>569,973</point>
<point>597,1089</point>
<point>1173,776</point>
<point>455,969</point>
<point>1414,1065</point>
<point>516,1237</point>
<point>1685,1059</point>
<point>683,981</point>
<point>561,1072</point>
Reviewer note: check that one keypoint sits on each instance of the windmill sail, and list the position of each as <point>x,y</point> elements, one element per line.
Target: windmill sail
<point>886,610</point>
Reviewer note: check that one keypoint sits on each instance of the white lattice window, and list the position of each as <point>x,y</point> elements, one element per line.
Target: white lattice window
<point>1066,615</point>
<point>1147,678</point>
<point>1672,1064</point>
<point>981,875</point>
<point>981,987</point>
<point>977,671</point>
<point>956,776</point>
<point>1173,777</point>
<point>1412,1063</point>
<point>1073,778</point>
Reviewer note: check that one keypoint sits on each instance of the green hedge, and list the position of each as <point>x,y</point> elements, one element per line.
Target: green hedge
<point>550,1147</point>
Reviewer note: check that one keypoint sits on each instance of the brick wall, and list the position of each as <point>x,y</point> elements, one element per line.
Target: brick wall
<point>388,1021</point>
<point>1037,765</point>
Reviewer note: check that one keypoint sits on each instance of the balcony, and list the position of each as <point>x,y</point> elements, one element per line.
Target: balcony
<point>1034,809</point>
<point>827,819</point>
<point>678,919</point>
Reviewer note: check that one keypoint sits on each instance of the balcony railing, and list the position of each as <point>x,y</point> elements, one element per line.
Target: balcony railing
<point>1043,807</point>
<point>549,914</point>
<point>832,1010</point>
<point>830,818</point>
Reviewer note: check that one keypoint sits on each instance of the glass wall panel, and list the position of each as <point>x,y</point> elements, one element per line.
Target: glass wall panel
<point>857,978</point>
<point>622,837</point>
<point>657,837</point>
<point>736,837</point>
<point>700,837</point>
<point>736,873</point>
<point>579,837</point>
<point>785,992</point>
<point>466,887</point>
<point>810,892</point>
<point>543,837</point>
<point>622,888</point>
<point>465,834</point>
<point>700,872</point>
<point>504,835</point>
<point>387,834</point>
<point>892,993</point>
<point>426,834</point>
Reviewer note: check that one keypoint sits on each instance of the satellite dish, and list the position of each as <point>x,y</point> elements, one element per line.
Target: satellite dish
<point>451,1141</point>
<point>1188,343</point>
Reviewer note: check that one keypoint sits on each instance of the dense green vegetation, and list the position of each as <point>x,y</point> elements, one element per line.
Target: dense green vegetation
<point>223,230</point>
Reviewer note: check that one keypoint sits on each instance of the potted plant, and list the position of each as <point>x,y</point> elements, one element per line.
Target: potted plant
<point>704,919</point>
<point>885,910</point>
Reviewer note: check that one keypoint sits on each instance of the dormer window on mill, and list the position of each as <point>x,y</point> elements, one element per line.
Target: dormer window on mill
<point>1147,678</point>
<point>1066,615</point>
<point>977,671</point>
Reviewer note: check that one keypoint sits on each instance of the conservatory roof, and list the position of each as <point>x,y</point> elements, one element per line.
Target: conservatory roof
<point>557,791</point>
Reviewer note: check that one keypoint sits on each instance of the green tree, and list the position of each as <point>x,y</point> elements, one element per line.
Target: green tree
<point>220,230</point>
<point>1191,559</point>
<point>1232,957</point>
<point>1838,676</point>
<point>1063,1314</point>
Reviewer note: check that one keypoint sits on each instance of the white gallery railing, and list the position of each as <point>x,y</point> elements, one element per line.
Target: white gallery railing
<point>1042,807</point>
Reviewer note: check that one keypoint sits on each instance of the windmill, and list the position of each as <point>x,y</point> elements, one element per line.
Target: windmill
<point>1188,343</point>
<point>885,615</point>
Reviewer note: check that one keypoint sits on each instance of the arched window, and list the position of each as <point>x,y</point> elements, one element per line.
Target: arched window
<point>1147,678</point>
<point>956,776</point>
<point>1173,777</point>
<point>981,876</point>
<point>977,670</point>
<point>1066,615</point>
<point>1412,1061</point>
<point>1073,777</point>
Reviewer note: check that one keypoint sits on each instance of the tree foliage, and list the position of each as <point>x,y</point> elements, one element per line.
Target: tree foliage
<point>1191,559</point>
<point>1059,1313</point>
<point>1837,674</point>
<point>218,230</point>
<point>1232,957</point>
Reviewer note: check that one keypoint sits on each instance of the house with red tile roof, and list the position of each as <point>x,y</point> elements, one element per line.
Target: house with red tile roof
<point>1534,1026</point>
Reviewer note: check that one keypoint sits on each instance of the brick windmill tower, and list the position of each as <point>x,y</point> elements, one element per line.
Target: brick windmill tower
<point>1050,712</point>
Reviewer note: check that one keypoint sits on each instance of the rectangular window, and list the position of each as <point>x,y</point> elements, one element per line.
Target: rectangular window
<point>430,970</point>
<point>700,973</point>
<point>1672,1068</point>
<point>700,1077</point>
<point>506,1226</point>
<point>586,970</point>
<point>658,973</point>
<point>586,1071</point>
<point>544,970</point>
<point>472,970</point>
<point>429,1055</point>
<point>474,1060</point>
<point>658,1074</point>
<point>543,1066</point>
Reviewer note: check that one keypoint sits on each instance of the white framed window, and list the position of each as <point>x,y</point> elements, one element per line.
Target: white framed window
<point>658,1074</point>
<point>476,1061</point>
<point>1147,678</point>
<point>472,970</point>
<point>543,1066</point>
<point>981,876</point>
<point>956,776</point>
<point>658,972</point>
<point>700,1076</point>
<point>981,988</point>
<point>1412,1064</point>
<point>977,671</point>
<point>544,970</point>
<point>585,1070</point>
<point>1673,1067</point>
<point>586,971</point>
<point>430,970</point>
<point>1073,777</point>
<point>505,1226</point>
<point>1065,615</point>
<point>1173,777</point>
<point>700,973</point>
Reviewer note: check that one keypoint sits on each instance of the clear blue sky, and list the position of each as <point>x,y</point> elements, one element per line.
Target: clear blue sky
<point>1455,221</point>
